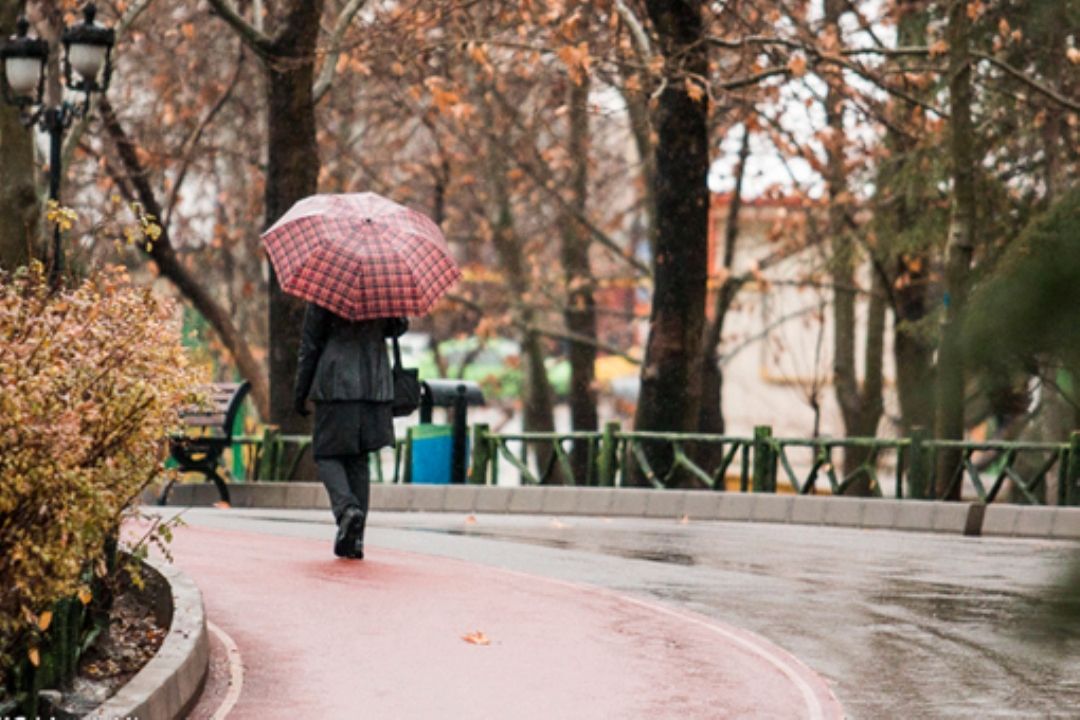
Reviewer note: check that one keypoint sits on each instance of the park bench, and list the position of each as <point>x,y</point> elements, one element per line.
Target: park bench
<point>207,431</point>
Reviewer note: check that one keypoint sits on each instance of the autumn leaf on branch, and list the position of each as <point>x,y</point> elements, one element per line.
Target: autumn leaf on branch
<point>577,60</point>
<point>797,66</point>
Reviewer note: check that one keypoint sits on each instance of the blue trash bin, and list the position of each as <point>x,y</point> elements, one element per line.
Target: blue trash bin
<point>431,454</point>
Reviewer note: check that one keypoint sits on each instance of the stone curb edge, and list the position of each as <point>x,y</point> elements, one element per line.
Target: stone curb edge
<point>996,520</point>
<point>169,685</point>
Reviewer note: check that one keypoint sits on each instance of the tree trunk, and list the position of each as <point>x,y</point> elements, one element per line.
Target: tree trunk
<point>711,417</point>
<point>912,350</point>
<point>949,416</point>
<point>914,354</point>
<point>135,186</point>
<point>292,174</point>
<point>671,375</point>
<point>18,194</point>
<point>860,406</point>
<point>539,410</point>
<point>580,315</point>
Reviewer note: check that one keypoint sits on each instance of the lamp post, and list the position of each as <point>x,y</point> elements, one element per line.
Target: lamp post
<point>86,66</point>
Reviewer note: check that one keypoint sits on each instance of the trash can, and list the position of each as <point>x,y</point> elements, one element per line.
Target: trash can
<point>431,452</point>
<point>438,453</point>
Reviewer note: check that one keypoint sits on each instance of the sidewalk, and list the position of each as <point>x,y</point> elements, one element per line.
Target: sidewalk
<point>384,638</point>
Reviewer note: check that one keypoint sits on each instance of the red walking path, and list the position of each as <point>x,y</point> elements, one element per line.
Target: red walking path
<point>319,637</point>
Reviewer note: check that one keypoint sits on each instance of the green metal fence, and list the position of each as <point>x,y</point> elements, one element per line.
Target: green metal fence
<point>901,467</point>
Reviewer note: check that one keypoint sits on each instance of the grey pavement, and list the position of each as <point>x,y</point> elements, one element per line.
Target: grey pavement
<point>905,625</point>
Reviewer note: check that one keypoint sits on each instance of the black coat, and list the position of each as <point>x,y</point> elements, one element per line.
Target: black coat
<point>342,360</point>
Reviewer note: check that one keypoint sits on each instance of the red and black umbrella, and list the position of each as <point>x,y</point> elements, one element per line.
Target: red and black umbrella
<point>361,256</point>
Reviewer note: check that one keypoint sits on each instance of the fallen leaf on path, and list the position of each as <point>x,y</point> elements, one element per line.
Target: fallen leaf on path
<point>222,505</point>
<point>685,519</point>
<point>557,523</point>
<point>476,638</point>
<point>471,520</point>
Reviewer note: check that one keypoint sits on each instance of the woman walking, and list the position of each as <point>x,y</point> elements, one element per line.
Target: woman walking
<point>344,369</point>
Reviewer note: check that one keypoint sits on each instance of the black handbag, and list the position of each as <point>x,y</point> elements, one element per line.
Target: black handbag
<point>406,386</point>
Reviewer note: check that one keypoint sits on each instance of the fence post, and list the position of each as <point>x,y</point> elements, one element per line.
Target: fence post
<point>1072,477</point>
<point>918,465</point>
<point>764,479</point>
<point>607,463</point>
<point>481,455</point>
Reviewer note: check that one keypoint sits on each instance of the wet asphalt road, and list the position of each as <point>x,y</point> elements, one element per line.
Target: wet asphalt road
<point>904,625</point>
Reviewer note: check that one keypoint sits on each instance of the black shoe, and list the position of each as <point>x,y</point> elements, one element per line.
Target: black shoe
<point>358,546</point>
<point>350,528</point>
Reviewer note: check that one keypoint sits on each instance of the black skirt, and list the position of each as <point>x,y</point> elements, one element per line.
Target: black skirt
<point>352,427</point>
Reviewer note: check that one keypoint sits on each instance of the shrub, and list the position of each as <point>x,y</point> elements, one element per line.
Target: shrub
<point>91,380</point>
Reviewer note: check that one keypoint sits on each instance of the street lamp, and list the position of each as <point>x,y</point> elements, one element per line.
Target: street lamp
<point>86,67</point>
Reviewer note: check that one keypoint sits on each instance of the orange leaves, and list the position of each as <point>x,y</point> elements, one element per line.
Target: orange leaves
<point>577,60</point>
<point>443,99</point>
<point>797,66</point>
<point>1074,55</point>
<point>476,638</point>
<point>342,63</point>
<point>479,55</point>
<point>44,620</point>
<point>694,90</point>
<point>447,100</point>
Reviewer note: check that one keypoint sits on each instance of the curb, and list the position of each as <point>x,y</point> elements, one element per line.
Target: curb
<point>169,685</point>
<point>996,520</point>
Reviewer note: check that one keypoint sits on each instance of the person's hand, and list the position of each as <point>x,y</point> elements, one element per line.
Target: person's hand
<point>301,408</point>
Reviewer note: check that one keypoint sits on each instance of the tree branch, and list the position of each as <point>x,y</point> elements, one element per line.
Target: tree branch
<point>1028,80</point>
<point>728,356</point>
<point>754,79</point>
<point>637,31</point>
<point>255,39</point>
<point>326,74</point>
<point>547,332</point>
<point>192,140</point>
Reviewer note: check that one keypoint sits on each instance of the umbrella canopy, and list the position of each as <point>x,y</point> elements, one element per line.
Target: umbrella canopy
<point>361,256</point>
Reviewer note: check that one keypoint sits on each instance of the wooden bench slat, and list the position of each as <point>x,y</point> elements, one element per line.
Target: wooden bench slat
<point>206,421</point>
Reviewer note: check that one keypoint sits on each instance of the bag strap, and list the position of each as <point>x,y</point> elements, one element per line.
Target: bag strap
<point>397,354</point>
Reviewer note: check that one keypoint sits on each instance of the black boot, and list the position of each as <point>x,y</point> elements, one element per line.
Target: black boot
<point>350,530</point>
<point>358,546</point>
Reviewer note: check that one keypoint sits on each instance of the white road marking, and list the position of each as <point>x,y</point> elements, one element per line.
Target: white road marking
<point>236,672</point>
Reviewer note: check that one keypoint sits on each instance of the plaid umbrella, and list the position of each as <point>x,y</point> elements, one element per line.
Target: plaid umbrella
<point>360,256</point>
